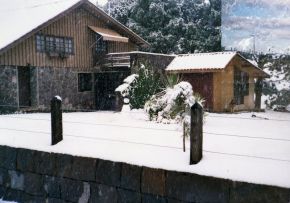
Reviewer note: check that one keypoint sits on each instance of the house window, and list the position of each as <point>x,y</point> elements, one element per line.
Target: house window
<point>53,44</point>
<point>101,45</point>
<point>40,43</point>
<point>241,86</point>
<point>85,82</point>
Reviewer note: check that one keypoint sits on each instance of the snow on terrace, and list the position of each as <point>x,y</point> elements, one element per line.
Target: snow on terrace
<point>236,146</point>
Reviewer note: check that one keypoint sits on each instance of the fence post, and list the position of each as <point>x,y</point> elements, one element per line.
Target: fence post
<point>56,120</point>
<point>119,101</point>
<point>196,133</point>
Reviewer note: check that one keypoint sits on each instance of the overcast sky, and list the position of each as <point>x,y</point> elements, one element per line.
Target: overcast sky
<point>268,20</point>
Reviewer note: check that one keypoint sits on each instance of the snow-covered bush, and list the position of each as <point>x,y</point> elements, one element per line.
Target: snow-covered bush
<point>141,86</point>
<point>171,103</point>
<point>127,85</point>
<point>147,84</point>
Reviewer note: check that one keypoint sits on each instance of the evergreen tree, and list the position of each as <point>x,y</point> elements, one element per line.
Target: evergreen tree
<point>172,26</point>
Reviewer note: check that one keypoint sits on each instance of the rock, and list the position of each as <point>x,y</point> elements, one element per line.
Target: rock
<point>195,188</point>
<point>71,190</point>
<point>16,180</point>
<point>153,181</point>
<point>45,163</point>
<point>25,160</point>
<point>63,164</point>
<point>78,166</point>
<point>8,157</point>
<point>52,186</point>
<point>130,177</point>
<point>246,192</point>
<point>34,184</point>
<point>127,196</point>
<point>153,199</point>
<point>103,193</point>
<point>108,173</point>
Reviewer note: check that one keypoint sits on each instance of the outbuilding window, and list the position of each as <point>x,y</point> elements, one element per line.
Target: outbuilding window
<point>241,86</point>
<point>85,82</point>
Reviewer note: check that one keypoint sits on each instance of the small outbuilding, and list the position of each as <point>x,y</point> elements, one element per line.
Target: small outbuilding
<point>226,80</point>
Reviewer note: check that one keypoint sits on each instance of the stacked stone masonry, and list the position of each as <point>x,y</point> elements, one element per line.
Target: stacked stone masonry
<point>35,176</point>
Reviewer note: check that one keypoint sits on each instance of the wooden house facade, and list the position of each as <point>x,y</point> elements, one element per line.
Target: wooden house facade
<point>64,56</point>
<point>226,80</point>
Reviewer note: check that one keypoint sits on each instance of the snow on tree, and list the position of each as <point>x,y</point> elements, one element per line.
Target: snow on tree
<point>141,86</point>
<point>172,26</point>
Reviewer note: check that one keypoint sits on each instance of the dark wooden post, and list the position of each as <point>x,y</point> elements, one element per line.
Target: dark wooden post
<point>119,101</point>
<point>258,92</point>
<point>56,120</point>
<point>196,131</point>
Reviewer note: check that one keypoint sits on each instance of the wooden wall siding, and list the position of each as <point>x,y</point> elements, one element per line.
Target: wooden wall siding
<point>224,88</point>
<point>75,25</point>
<point>202,83</point>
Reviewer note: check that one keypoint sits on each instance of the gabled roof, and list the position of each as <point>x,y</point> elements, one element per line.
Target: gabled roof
<point>19,24</point>
<point>206,62</point>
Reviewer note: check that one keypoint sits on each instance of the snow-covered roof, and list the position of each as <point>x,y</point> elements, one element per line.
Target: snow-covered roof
<point>19,18</point>
<point>208,62</point>
<point>201,61</point>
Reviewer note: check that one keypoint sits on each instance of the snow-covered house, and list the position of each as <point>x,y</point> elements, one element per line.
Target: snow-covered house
<point>226,80</point>
<point>60,48</point>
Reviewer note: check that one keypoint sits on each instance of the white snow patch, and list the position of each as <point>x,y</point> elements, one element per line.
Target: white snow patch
<point>4,201</point>
<point>58,98</point>
<point>133,139</point>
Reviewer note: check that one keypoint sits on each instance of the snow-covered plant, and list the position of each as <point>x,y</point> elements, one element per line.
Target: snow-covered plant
<point>171,103</point>
<point>147,84</point>
<point>172,79</point>
<point>127,85</point>
<point>140,87</point>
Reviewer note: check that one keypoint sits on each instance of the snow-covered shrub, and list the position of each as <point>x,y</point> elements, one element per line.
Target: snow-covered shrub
<point>140,87</point>
<point>171,103</point>
<point>127,85</point>
<point>147,84</point>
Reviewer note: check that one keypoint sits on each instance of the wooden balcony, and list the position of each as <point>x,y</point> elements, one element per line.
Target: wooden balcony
<point>112,60</point>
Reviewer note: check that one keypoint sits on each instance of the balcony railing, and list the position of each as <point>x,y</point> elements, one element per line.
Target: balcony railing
<point>114,60</point>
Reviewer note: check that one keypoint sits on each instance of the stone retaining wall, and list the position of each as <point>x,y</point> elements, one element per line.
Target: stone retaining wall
<point>34,176</point>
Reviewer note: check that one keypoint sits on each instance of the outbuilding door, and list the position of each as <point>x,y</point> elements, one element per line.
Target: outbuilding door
<point>105,85</point>
<point>202,83</point>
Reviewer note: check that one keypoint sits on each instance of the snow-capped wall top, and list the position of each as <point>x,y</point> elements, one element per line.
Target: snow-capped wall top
<point>215,60</point>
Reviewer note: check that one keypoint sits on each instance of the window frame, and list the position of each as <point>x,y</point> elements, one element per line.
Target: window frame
<point>101,45</point>
<point>54,44</point>
<point>83,88</point>
<point>241,86</point>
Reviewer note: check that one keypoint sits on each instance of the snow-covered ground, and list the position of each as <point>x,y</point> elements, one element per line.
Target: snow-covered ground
<point>236,146</point>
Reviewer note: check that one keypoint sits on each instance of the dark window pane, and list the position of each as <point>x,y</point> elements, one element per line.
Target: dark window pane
<point>85,82</point>
<point>101,45</point>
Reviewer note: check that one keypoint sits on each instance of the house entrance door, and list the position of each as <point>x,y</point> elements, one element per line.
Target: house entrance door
<point>105,85</point>
<point>24,86</point>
